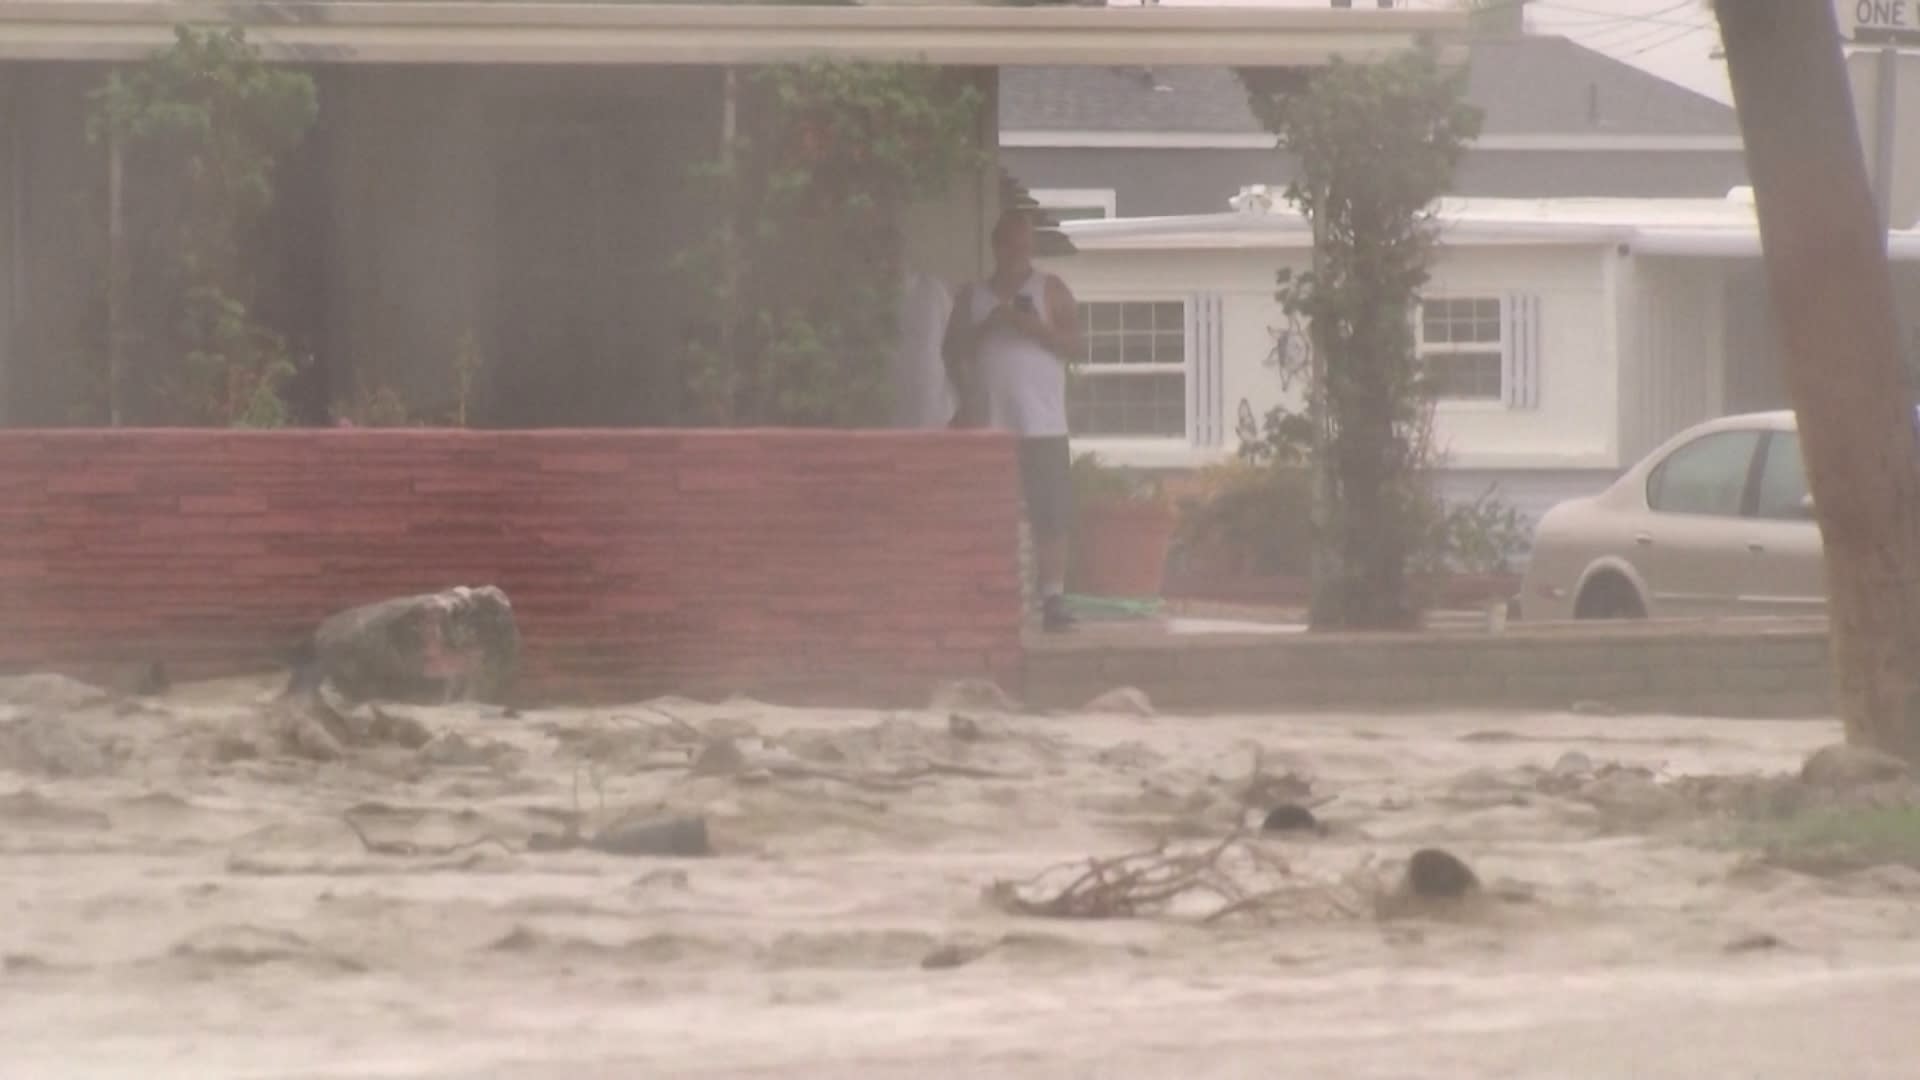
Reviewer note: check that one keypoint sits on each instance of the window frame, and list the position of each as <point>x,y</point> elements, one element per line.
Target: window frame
<point>1503,348</point>
<point>1749,492</point>
<point>1105,200</point>
<point>1083,366</point>
<point>1773,439</point>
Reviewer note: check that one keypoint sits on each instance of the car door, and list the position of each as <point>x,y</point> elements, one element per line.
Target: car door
<point>1785,571</point>
<point>1699,503</point>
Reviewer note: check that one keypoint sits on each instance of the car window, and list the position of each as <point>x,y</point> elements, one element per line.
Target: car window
<point>1706,476</point>
<point>1783,479</point>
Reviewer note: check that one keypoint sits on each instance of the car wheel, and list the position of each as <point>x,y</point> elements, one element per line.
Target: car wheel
<point>1609,596</point>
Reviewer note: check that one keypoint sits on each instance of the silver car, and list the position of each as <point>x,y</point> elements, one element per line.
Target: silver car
<point>1716,522</point>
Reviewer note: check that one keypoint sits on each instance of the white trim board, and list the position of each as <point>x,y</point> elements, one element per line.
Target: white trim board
<point>1200,140</point>
<point>1103,199</point>
<point>603,32</point>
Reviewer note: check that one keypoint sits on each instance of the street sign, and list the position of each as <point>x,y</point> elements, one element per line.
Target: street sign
<point>1880,22</point>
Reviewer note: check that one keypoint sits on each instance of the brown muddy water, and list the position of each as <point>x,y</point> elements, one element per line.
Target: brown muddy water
<point>180,896</point>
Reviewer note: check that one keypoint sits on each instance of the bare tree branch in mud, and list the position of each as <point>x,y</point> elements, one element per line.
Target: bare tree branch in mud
<point>1833,300</point>
<point>1146,883</point>
<point>409,849</point>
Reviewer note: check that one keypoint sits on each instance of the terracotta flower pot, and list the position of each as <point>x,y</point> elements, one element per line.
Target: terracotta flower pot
<point>1120,549</point>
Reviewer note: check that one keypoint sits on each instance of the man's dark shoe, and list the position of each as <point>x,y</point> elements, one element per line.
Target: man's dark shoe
<point>1054,617</point>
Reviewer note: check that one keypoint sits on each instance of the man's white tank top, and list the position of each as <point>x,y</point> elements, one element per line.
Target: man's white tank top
<point>1025,384</point>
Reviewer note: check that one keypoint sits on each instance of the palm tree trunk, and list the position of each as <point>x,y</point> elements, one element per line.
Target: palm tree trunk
<point>1833,303</point>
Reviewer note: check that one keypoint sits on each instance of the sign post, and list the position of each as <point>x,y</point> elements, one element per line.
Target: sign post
<point>1880,22</point>
<point>1893,25</point>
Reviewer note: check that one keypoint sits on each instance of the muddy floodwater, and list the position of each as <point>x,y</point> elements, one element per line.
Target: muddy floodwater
<point>185,894</point>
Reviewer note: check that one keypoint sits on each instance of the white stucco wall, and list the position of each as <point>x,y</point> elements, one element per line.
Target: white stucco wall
<point>1573,425</point>
<point>1249,314</point>
<point>1572,428</point>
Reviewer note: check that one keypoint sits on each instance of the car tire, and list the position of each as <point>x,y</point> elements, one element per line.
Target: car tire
<point>1609,596</point>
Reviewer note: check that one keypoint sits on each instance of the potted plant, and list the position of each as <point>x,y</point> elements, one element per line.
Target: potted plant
<point>1123,530</point>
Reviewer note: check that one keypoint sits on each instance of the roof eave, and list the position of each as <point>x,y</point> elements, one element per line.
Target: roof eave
<point>405,31</point>
<point>1258,233</point>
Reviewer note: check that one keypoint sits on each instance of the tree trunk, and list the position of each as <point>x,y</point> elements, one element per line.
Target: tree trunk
<point>1833,301</point>
<point>117,272</point>
<point>1326,571</point>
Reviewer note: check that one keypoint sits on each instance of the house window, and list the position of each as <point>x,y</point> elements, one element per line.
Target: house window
<point>1075,204</point>
<point>1463,347</point>
<point>1131,381</point>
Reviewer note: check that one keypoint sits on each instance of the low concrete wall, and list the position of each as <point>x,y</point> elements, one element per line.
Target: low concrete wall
<point>808,566</point>
<point>1733,669</point>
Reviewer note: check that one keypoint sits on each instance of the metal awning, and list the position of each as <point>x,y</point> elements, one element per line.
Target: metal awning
<point>520,32</point>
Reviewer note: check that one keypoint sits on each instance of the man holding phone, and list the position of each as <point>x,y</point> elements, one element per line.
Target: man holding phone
<point>1009,343</point>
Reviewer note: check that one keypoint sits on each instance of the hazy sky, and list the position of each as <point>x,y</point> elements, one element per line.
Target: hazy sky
<point>1674,39</point>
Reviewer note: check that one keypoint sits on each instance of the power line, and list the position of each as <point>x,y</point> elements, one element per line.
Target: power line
<point>1665,41</point>
<point>1660,17</point>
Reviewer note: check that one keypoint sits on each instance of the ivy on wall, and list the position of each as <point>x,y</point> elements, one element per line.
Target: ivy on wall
<point>192,136</point>
<point>797,284</point>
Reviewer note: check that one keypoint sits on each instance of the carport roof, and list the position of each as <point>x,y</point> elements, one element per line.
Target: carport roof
<point>1672,228</point>
<point>604,32</point>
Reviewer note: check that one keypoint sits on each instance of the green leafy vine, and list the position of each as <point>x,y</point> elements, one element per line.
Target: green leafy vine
<point>1377,145</point>
<point>796,289</point>
<point>194,133</point>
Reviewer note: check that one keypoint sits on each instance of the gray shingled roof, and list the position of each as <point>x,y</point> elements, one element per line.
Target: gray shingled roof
<point>1530,85</point>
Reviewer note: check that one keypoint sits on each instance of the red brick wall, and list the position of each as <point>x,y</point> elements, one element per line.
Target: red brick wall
<point>801,565</point>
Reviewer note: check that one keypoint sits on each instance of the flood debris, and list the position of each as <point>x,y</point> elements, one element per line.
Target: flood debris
<point>1235,876</point>
<point>1630,797</point>
<point>1122,701</point>
<point>458,645</point>
<point>321,725</point>
<point>953,955</point>
<point>53,744</point>
<point>1573,763</point>
<point>972,695</point>
<point>409,848</point>
<point>719,757</point>
<point>50,691</point>
<point>683,837</point>
<point>1266,789</point>
<point>1844,766</point>
<point>965,728</point>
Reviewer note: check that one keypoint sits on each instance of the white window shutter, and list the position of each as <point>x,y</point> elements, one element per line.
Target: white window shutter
<point>1520,382</point>
<point>1206,371</point>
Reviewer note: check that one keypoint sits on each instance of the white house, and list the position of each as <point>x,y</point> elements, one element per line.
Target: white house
<point>1571,336</point>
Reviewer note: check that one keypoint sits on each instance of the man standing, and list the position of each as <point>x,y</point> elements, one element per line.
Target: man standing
<point>922,395</point>
<point>1012,336</point>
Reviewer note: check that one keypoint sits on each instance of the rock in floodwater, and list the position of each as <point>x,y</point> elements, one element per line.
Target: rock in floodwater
<point>1843,766</point>
<point>1630,797</point>
<point>1124,701</point>
<point>719,757</point>
<point>1573,763</point>
<point>950,956</point>
<point>965,728</point>
<point>458,645</point>
<point>1290,817</point>
<point>1760,941</point>
<point>1433,874</point>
